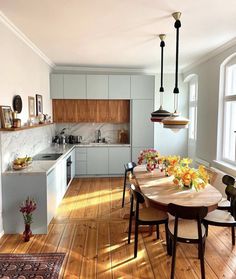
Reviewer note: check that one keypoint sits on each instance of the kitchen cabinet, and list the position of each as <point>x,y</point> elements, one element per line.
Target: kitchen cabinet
<point>80,161</point>
<point>56,86</point>
<point>98,111</point>
<point>74,86</point>
<point>119,111</point>
<point>97,86</point>
<point>97,161</point>
<point>118,156</point>
<point>142,87</point>
<point>119,87</point>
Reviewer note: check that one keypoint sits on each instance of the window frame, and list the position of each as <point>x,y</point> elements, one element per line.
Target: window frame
<point>193,104</point>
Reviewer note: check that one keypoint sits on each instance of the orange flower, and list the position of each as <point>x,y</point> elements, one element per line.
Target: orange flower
<point>176,181</point>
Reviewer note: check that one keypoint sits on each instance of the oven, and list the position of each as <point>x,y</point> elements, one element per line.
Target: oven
<point>68,170</point>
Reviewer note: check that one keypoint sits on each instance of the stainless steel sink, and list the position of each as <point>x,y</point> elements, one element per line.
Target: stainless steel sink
<point>47,156</point>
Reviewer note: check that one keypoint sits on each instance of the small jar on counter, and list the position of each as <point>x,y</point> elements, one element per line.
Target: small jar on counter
<point>16,123</point>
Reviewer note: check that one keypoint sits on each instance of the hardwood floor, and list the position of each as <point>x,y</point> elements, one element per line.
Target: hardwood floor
<point>90,229</point>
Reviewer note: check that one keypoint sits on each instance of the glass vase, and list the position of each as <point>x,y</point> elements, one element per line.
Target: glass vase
<point>27,233</point>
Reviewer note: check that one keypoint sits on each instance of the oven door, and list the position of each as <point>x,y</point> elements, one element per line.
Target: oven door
<point>68,170</point>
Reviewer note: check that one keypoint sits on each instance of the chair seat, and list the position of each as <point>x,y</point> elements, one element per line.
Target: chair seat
<point>220,216</point>
<point>152,214</point>
<point>224,203</point>
<point>186,228</point>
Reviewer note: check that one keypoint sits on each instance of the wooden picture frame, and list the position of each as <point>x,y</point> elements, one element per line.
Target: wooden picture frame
<point>39,104</point>
<point>6,116</point>
<point>31,106</point>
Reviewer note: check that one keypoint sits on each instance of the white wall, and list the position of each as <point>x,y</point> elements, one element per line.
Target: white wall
<point>208,97</point>
<point>166,141</point>
<point>23,73</point>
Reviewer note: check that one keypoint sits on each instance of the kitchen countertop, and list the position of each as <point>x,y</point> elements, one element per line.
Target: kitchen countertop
<point>46,166</point>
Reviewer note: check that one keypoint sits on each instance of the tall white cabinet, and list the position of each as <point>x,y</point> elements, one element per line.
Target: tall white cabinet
<point>142,129</point>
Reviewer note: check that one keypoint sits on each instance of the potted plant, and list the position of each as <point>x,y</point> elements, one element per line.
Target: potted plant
<point>27,208</point>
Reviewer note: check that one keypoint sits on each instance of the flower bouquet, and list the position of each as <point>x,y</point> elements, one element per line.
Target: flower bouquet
<point>26,208</point>
<point>187,177</point>
<point>150,157</point>
<point>168,164</point>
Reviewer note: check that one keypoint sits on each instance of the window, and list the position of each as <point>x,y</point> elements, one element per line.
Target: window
<point>193,88</point>
<point>227,125</point>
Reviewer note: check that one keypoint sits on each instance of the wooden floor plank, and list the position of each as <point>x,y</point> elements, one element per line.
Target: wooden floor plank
<point>90,229</point>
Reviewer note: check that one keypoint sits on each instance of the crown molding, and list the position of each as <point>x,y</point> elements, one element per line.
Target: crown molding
<point>86,69</point>
<point>211,54</point>
<point>11,26</point>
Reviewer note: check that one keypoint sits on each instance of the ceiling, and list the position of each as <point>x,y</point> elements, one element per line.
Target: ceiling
<point>122,33</point>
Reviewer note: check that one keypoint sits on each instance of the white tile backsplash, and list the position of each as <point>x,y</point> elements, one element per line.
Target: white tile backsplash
<point>109,131</point>
<point>24,142</point>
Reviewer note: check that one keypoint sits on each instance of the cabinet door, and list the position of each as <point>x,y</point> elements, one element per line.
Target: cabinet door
<point>142,87</point>
<point>80,161</point>
<point>142,127</point>
<point>73,163</point>
<point>74,86</point>
<point>58,110</point>
<point>82,110</point>
<point>118,156</point>
<point>70,111</point>
<point>92,110</point>
<point>97,87</point>
<point>119,87</point>
<point>102,111</point>
<point>119,111</point>
<point>56,86</point>
<point>97,160</point>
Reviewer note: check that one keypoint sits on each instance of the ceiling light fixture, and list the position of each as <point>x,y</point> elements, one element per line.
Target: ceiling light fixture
<point>176,122</point>
<point>160,114</point>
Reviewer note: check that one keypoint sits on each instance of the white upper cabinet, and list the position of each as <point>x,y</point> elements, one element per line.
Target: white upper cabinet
<point>97,86</point>
<point>142,87</point>
<point>74,86</point>
<point>56,86</point>
<point>119,87</point>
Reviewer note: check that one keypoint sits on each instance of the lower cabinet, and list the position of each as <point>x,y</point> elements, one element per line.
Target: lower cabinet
<point>97,160</point>
<point>101,160</point>
<point>118,156</point>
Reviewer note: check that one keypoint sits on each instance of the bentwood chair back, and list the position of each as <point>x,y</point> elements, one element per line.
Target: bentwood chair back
<point>224,204</point>
<point>187,227</point>
<point>144,216</point>
<point>129,167</point>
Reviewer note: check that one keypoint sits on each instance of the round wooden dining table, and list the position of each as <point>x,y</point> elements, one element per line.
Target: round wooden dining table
<point>160,190</point>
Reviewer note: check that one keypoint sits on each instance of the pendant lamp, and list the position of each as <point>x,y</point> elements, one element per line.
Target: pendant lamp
<point>175,121</point>
<point>160,114</point>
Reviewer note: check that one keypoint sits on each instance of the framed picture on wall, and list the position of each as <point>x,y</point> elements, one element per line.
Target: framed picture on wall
<point>39,104</point>
<point>31,106</point>
<point>6,116</point>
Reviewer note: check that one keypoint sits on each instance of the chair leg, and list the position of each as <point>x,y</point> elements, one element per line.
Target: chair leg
<point>124,189</point>
<point>167,239</point>
<point>206,226</point>
<point>173,259</point>
<point>233,236</point>
<point>130,219</point>
<point>157,228</point>
<point>201,256</point>
<point>136,239</point>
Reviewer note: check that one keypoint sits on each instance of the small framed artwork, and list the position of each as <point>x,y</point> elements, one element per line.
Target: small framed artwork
<point>39,104</point>
<point>6,116</point>
<point>31,105</point>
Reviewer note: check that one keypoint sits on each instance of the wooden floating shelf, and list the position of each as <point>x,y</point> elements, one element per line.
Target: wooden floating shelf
<point>24,127</point>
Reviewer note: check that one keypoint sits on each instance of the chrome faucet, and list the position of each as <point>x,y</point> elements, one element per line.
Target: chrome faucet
<point>98,136</point>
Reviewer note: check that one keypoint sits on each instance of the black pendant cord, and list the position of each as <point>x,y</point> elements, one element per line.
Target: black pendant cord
<point>162,45</point>
<point>177,26</point>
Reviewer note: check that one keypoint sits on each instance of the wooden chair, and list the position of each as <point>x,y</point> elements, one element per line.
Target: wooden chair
<point>223,218</point>
<point>144,216</point>
<point>129,167</point>
<point>187,228</point>
<point>224,204</point>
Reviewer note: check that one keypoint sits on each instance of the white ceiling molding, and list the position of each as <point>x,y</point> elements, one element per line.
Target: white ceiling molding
<point>210,55</point>
<point>84,69</point>
<point>25,39</point>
